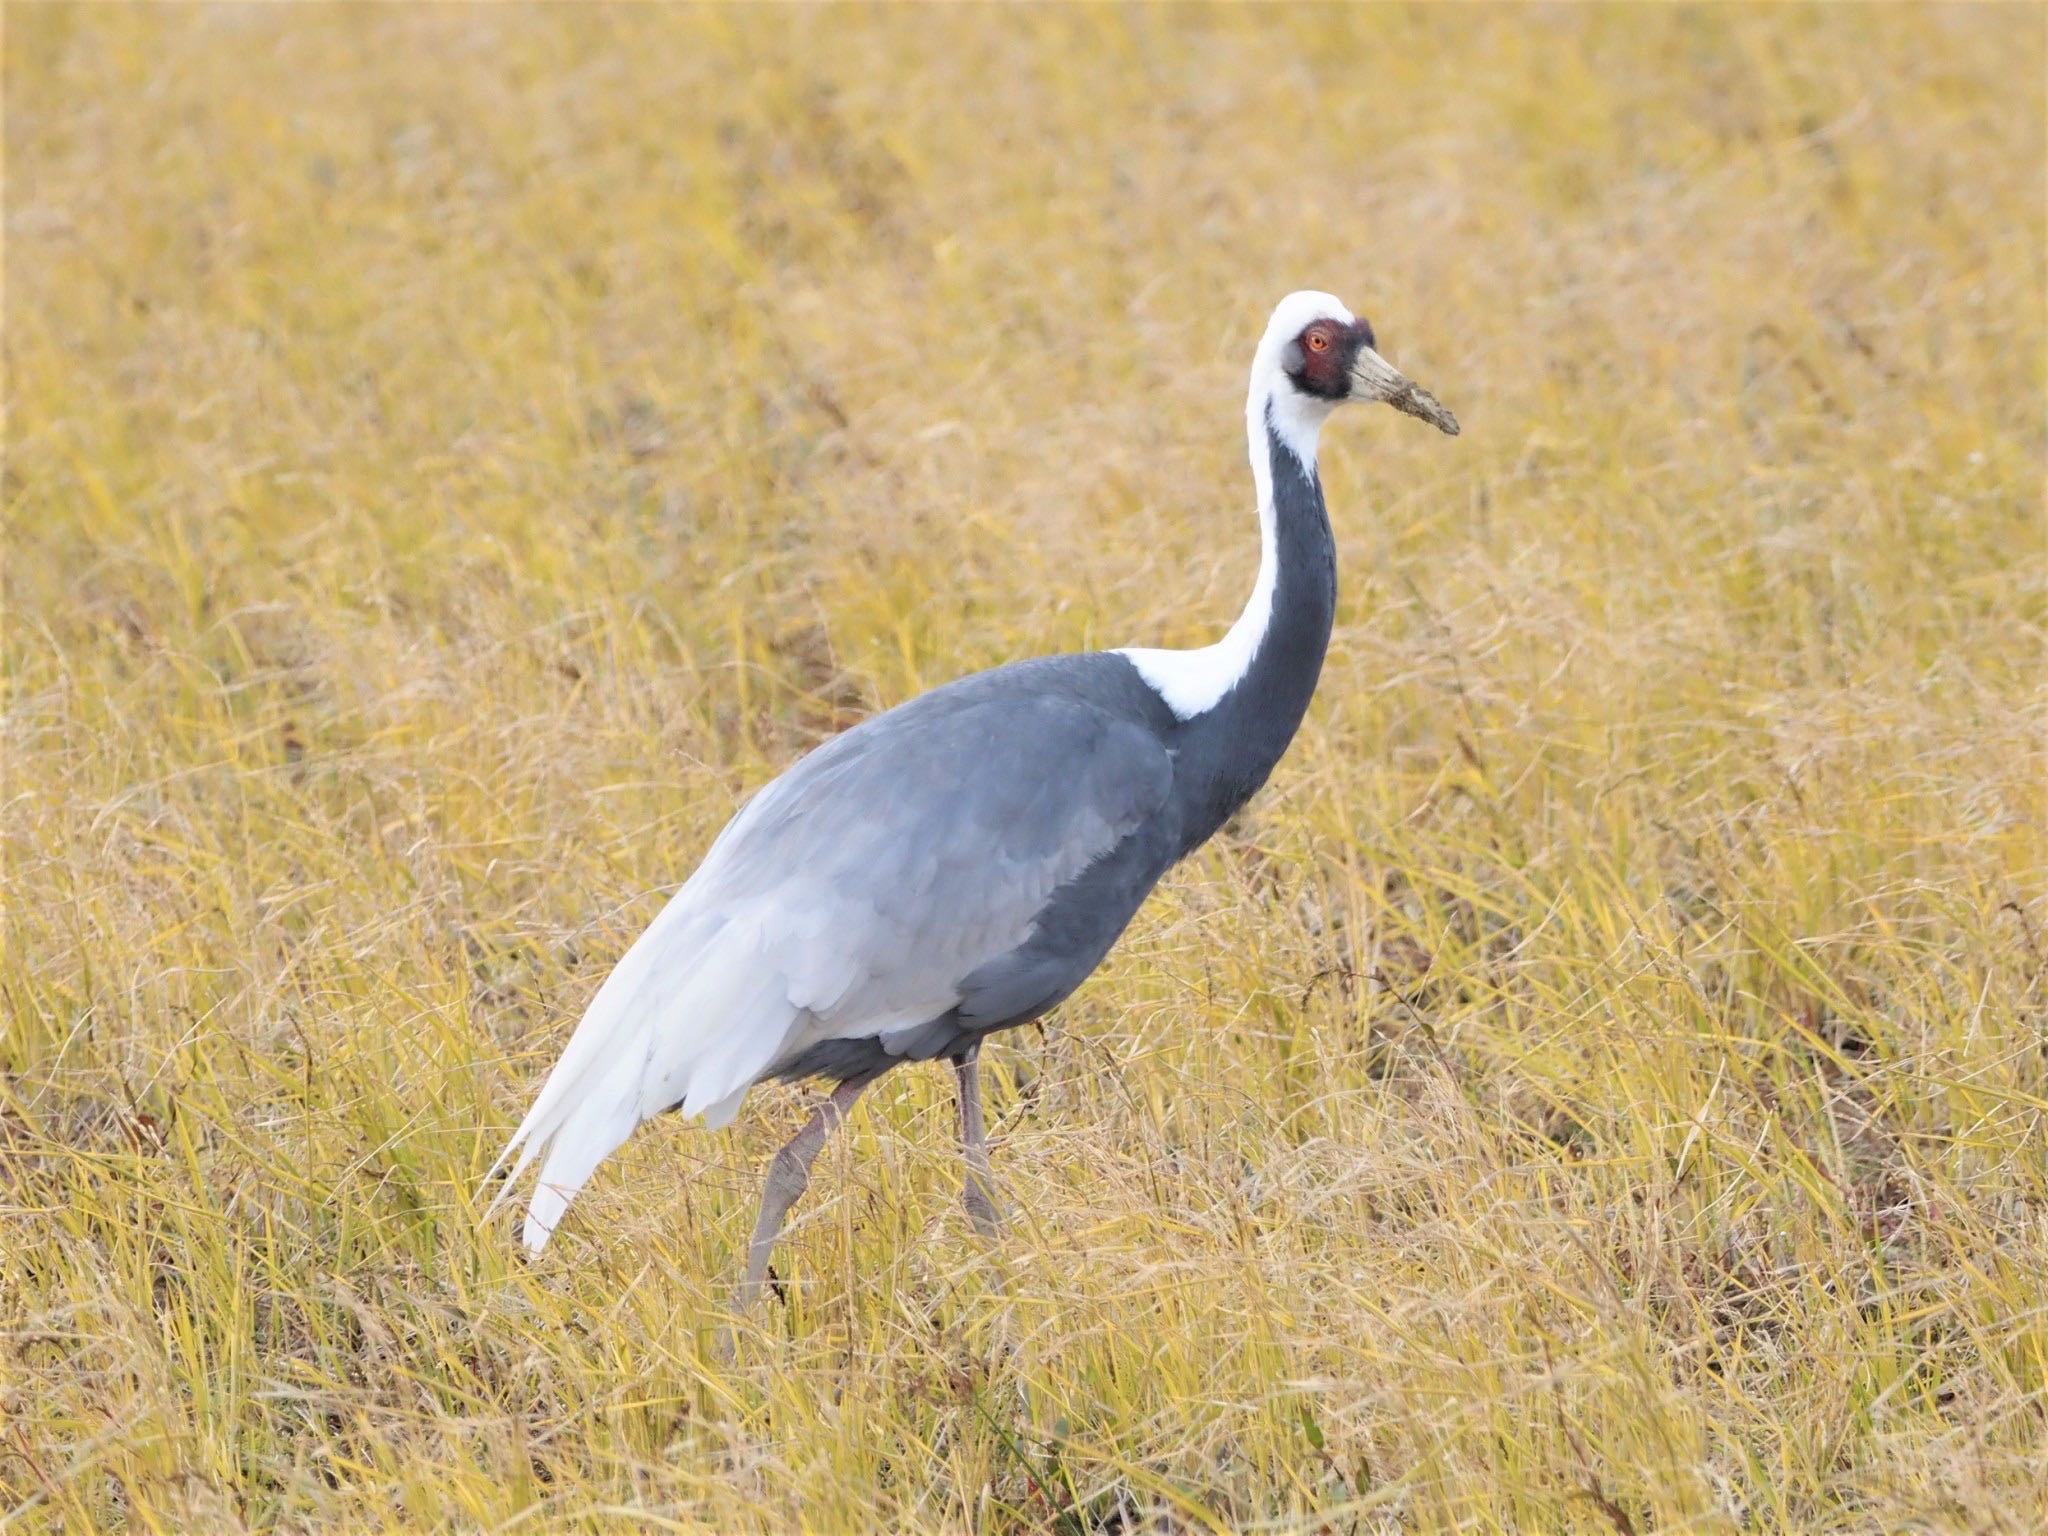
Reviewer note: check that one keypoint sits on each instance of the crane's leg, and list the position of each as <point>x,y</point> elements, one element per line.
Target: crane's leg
<point>787,1177</point>
<point>979,1191</point>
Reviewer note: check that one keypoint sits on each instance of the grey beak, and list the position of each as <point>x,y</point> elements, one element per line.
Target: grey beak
<point>1374,378</point>
<point>1413,400</point>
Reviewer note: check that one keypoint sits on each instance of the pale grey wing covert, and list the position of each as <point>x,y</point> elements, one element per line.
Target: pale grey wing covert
<point>907,855</point>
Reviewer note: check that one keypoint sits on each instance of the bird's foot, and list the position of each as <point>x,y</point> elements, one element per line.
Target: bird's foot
<point>982,1208</point>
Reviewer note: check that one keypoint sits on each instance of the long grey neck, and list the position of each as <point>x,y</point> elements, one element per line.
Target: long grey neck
<point>1226,752</point>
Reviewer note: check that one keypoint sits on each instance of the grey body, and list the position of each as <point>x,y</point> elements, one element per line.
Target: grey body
<point>966,797</point>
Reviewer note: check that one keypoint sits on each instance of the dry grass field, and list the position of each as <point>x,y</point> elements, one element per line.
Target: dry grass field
<point>456,453</point>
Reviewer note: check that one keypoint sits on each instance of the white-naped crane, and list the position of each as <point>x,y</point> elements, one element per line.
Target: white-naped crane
<point>961,863</point>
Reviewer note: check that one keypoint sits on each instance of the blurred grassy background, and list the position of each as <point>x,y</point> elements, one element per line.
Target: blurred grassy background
<point>455,453</point>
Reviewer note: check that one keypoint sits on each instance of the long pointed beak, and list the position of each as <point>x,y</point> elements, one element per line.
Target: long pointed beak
<point>1374,378</point>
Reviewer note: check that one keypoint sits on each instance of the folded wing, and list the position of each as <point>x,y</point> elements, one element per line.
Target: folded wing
<point>851,898</point>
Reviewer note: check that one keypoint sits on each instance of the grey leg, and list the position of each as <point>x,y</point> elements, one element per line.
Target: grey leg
<point>979,1191</point>
<point>787,1176</point>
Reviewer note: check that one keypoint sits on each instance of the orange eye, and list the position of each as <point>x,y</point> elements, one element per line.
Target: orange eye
<point>1318,341</point>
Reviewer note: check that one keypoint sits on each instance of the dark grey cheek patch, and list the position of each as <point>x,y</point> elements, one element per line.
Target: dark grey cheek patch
<point>1291,358</point>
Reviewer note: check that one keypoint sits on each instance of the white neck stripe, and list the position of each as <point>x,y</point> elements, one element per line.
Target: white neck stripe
<point>1194,682</point>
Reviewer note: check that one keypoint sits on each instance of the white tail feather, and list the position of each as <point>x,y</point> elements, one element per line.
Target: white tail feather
<point>690,1018</point>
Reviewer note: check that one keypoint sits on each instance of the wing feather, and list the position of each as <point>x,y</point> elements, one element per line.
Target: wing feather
<point>850,898</point>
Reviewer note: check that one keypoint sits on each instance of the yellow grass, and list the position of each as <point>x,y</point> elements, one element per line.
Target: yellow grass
<point>455,453</point>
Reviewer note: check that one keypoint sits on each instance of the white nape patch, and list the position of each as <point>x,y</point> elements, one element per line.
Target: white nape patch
<point>1194,682</point>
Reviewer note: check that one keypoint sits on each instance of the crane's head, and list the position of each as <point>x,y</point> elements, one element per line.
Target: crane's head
<point>1316,356</point>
